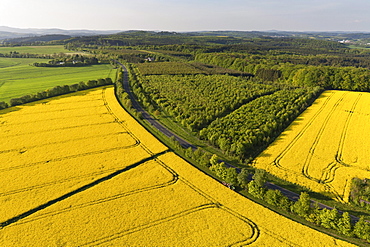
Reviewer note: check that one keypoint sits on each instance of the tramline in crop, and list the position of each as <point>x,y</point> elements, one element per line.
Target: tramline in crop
<point>316,151</point>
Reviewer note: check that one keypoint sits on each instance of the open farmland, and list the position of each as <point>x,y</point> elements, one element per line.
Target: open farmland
<point>35,49</point>
<point>326,146</point>
<point>18,78</point>
<point>78,170</point>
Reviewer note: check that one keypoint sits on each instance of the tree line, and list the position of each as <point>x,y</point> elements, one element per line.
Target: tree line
<point>56,91</point>
<point>329,77</point>
<point>70,61</point>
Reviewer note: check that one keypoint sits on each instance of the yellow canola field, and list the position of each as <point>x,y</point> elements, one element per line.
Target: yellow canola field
<point>326,146</point>
<point>78,170</point>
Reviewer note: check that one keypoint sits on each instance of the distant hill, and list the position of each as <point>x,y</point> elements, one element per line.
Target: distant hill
<point>21,36</point>
<point>15,33</point>
<point>36,39</point>
<point>274,33</point>
<point>9,35</point>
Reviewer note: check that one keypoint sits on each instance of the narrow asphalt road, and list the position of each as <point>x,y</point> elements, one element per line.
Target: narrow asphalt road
<point>147,116</point>
<point>291,195</point>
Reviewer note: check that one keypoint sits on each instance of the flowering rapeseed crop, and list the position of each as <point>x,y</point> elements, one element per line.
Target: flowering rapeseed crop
<point>79,171</point>
<point>326,146</point>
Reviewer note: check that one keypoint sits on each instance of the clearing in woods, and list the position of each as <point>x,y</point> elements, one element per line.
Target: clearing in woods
<point>78,170</point>
<point>326,146</point>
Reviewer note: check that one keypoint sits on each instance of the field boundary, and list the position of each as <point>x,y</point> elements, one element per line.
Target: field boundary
<point>76,191</point>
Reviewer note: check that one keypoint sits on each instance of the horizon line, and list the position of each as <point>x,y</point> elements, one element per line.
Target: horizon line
<point>183,31</point>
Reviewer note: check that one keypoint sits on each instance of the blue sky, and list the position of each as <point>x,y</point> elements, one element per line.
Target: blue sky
<point>191,15</point>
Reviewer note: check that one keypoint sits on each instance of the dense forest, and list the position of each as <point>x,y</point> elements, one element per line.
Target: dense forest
<point>251,127</point>
<point>335,76</point>
<point>197,100</point>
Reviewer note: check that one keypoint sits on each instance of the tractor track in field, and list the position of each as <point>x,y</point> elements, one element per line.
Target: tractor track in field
<point>311,152</point>
<point>213,204</point>
<point>62,109</point>
<point>329,172</point>
<point>334,166</point>
<point>277,160</point>
<point>45,162</point>
<point>61,181</point>
<point>251,239</point>
<point>5,124</point>
<point>24,149</point>
<point>63,128</point>
<point>339,154</point>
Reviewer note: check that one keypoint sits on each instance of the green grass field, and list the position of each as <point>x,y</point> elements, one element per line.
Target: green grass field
<point>35,49</point>
<point>358,47</point>
<point>18,78</point>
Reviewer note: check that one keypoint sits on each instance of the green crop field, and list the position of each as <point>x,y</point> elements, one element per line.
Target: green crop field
<point>35,49</point>
<point>18,78</point>
<point>11,62</point>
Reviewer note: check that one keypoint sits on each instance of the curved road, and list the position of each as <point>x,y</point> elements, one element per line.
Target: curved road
<point>291,195</point>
